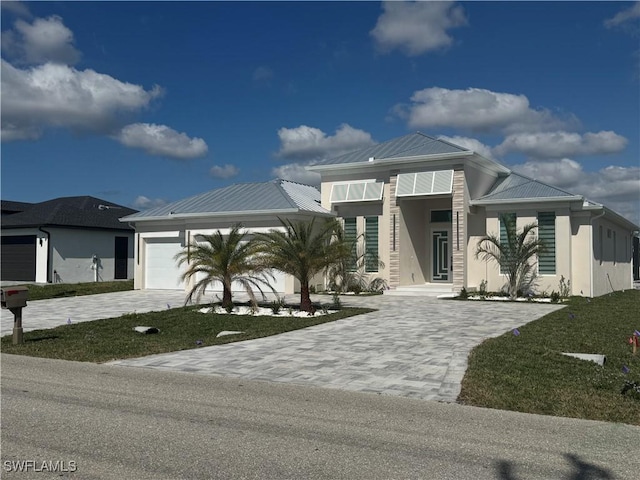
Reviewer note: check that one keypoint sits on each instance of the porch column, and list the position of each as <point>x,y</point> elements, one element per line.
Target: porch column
<point>459,231</point>
<point>394,233</point>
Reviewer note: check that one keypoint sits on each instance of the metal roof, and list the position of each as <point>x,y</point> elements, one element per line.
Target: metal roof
<point>83,212</point>
<point>413,145</point>
<point>243,198</point>
<point>518,187</point>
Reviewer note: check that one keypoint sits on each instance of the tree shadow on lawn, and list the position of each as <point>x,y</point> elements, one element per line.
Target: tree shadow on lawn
<point>582,470</point>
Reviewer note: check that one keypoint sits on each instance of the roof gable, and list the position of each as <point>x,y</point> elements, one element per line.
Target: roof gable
<point>518,187</point>
<point>413,145</point>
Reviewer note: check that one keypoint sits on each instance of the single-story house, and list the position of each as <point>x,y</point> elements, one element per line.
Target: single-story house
<point>419,205</point>
<point>66,240</point>
<point>424,203</point>
<point>163,232</point>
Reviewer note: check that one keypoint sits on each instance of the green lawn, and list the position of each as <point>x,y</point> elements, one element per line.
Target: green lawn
<point>180,329</point>
<point>527,373</point>
<point>56,290</point>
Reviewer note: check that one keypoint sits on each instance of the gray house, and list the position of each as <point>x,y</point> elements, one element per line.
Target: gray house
<point>66,240</point>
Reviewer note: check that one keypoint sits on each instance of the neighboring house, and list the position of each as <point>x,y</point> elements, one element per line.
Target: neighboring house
<point>423,203</point>
<point>419,205</point>
<point>65,240</point>
<point>163,232</point>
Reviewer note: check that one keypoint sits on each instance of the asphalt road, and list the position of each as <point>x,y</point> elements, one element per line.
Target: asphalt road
<point>125,423</point>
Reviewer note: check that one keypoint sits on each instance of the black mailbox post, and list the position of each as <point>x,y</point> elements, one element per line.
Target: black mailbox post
<point>14,299</point>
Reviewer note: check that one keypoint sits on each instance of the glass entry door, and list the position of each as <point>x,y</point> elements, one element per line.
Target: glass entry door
<point>441,263</point>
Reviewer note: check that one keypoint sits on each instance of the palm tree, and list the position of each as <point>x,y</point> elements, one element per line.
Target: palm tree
<point>514,256</point>
<point>226,259</point>
<point>302,250</point>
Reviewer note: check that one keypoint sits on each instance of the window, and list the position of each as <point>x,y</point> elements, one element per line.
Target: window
<point>441,216</point>
<point>351,235</point>
<point>547,233</point>
<point>371,244</point>
<point>509,218</point>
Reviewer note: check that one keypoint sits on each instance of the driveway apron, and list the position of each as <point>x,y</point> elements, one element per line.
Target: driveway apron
<point>411,346</point>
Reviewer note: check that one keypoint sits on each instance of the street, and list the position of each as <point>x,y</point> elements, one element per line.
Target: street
<point>86,421</point>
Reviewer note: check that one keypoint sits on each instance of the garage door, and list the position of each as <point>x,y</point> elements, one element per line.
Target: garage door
<point>162,271</point>
<point>18,262</point>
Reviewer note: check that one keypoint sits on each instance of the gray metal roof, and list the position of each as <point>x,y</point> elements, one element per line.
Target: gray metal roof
<point>518,187</point>
<point>413,145</point>
<point>242,198</point>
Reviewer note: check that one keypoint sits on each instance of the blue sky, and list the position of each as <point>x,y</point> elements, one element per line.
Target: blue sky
<point>143,103</point>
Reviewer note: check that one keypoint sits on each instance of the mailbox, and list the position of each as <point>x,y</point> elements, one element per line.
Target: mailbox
<point>14,297</point>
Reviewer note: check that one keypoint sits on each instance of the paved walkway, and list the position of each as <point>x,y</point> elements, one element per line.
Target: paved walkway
<point>412,346</point>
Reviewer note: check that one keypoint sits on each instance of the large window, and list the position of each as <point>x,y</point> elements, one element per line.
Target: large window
<point>505,218</point>
<point>351,236</point>
<point>547,233</point>
<point>371,244</point>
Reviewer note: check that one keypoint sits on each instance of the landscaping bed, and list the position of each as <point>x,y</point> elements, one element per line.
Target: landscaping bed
<point>524,370</point>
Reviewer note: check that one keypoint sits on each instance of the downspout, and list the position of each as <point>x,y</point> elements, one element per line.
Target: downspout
<point>48,253</point>
<point>592,259</point>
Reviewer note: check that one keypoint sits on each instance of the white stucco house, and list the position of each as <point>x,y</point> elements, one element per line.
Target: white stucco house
<point>163,232</point>
<point>66,240</point>
<point>420,205</point>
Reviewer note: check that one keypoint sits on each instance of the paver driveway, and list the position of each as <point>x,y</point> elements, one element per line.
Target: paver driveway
<point>412,346</point>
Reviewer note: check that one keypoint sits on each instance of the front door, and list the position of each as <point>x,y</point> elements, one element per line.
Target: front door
<point>441,257</point>
<point>121,258</point>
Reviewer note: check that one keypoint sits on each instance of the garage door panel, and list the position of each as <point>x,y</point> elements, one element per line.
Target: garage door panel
<point>18,261</point>
<point>162,271</point>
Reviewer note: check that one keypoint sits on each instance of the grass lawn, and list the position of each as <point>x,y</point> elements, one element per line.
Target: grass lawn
<point>56,290</point>
<point>180,329</point>
<point>527,373</point>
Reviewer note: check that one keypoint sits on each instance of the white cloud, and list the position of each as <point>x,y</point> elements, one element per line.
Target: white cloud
<point>470,143</point>
<point>417,27</point>
<point>614,186</point>
<point>297,172</point>
<point>144,203</point>
<point>477,110</point>
<point>562,144</point>
<point>309,143</point>
<point>17,8</point>
<point>624,17</point>
<point>45,40</point>
<point>224,171</point>
<point>52,95</point>
<point>161,140</point>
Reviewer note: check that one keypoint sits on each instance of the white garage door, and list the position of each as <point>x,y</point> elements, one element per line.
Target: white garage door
<point>162,271</point>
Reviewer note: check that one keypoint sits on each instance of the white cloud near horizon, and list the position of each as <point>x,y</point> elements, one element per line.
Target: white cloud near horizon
<point>309,143</point>
<point>297,172</point>
<point>162,141</point>
<point>560,144</point>
<point>144,203</point>
<point>614,186</point>
<point>478,110</point>
<point>224,171</point>
<point>44,40</point>
<point>417,27</point>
